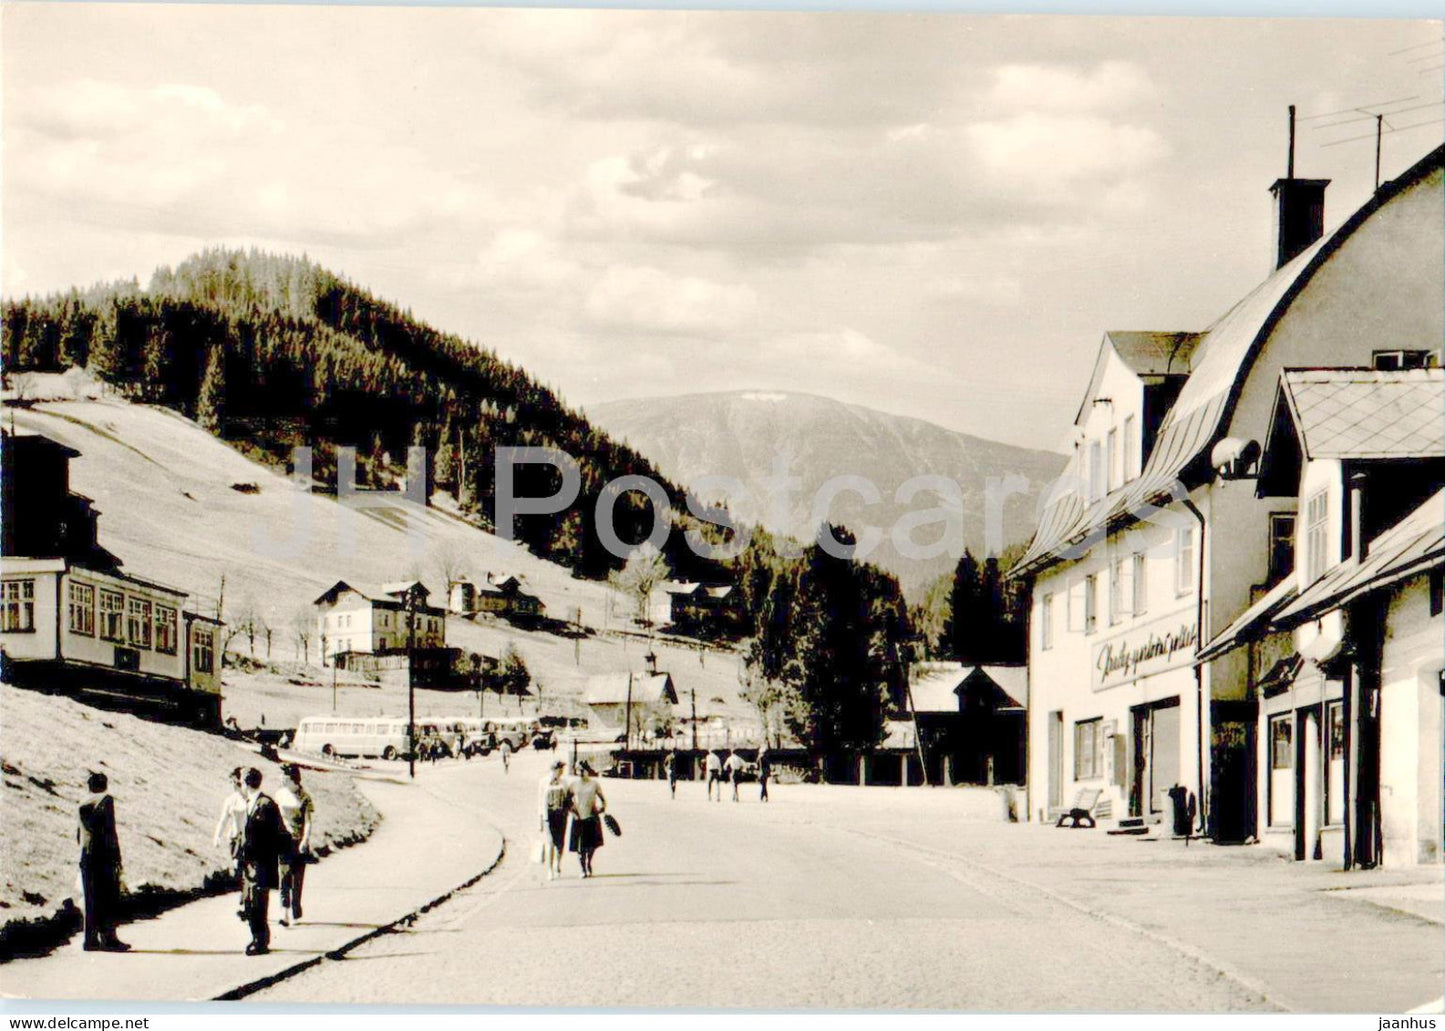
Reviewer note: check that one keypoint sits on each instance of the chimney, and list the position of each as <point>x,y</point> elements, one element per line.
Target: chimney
<point>1299,208</point>
<point>651,658</point>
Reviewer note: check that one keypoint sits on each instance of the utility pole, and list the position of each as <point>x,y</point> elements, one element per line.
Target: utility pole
<point>411,600</point>
<point>627,719</point>
<point>694,719</point>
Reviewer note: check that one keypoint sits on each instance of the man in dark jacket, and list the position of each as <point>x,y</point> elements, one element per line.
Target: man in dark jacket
<point>264,842</point>
<point>100,867</point>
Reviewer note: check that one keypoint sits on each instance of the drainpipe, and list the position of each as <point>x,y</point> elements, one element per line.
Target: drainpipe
<point>1354,824</point>
<point>1199,667</point>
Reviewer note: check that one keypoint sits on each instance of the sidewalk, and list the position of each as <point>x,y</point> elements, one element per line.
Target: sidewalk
<point>196,952</point>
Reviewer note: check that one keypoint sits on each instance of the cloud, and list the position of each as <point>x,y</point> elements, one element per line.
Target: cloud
<point>1045,149</point>
<point>1108,86</point>
<point>649,300</point>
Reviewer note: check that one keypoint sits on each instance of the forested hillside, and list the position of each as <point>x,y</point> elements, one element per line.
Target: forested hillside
<point>270,352</point>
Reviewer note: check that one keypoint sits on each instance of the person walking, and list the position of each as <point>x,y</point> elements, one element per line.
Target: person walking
<point>553,802</point>
<point>297,811</point>
<point>669,766</point>
<point>264,841</point>
<point>587,804</point>
<point>714,774</point>
<point>734,767</point>
<point>100,867</point>
<point>765,770</point>
<point>232,819</point>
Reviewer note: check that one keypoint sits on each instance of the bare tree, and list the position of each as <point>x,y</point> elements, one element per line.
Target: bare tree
<point>301,624</point>
<point>449,561</point>
<point>645,571</point>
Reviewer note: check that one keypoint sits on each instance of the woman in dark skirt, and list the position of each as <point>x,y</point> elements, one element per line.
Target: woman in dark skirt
<point>554,804</point>
<point>587,804</point>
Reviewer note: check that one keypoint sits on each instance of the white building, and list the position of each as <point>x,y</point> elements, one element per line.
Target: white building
<point>1346,651</point>
<point>349,620</point>
<point>1144,551</point>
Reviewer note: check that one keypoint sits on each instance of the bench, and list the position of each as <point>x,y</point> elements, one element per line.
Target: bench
<point>1082,811</point>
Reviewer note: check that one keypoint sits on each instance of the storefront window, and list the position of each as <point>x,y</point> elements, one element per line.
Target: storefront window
<point>1335,779</point>
<point>1281,770</point>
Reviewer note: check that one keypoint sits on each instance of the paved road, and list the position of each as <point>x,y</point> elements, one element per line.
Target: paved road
<point>705,904</point>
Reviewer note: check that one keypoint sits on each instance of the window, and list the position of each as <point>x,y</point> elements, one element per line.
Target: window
<point>1096,471</point>
<point>166,629</point>
<point>1141,585</point>
<point>1117,572</point>
<point>1396,361</point>
<point>17,606</point>
<point>1091,615</point>
<point>82,609</point>
<point>1184,560</point>
<point>203,651</point>
<point>1087,764</point>
<point>1335,759</point>
<point>1317,531</point>
<point>112,615</point>
<point>1437,592</point>
<point>138,622</point>
<point>1131,449</point>
<point>1046,621</point>
<point>1281,770</point>
<point>1281,546</point>
<point>1112,458</point>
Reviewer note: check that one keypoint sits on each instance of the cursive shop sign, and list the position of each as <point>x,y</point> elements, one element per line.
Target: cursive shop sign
<point>1153,648</point>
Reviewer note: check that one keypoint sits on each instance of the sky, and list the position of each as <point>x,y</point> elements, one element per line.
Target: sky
<point>936,215</point>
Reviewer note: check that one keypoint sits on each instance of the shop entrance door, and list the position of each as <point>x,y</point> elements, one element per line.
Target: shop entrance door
<point>1156,757</point>
<point>1164,757</point>
<point>1056,760</point>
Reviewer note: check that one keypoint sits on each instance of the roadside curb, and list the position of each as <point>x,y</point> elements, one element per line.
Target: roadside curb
<point>260,984</point>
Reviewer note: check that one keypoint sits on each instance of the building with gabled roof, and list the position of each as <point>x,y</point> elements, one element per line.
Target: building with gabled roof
<point>1154,541</point>
<point>350,620</point>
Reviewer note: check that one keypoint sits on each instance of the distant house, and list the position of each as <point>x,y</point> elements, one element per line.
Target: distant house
<point>502,595</point>
<point>352,621</point>
<point>642,701</point>
<point>695,608</point>
<point>971,721</point>
<point>72,622</point>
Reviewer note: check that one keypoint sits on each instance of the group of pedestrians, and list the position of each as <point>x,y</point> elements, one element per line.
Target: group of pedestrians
<point>270,843</point>
<point>720,771</point>
<point>268,839</point>
<point>577,801</point>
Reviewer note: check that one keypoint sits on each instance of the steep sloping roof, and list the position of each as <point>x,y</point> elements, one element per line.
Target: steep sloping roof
<point>1146,353</point>
<point>1250,621</point>
<point>1012,680</point>
<point>1365,413</point>
<point>1220,363</point>
<point>646,689</point>
<point>934,687</point>
<point>1413,545</point>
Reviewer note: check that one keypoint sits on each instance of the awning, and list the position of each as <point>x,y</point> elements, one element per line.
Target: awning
<point>1251,623</point>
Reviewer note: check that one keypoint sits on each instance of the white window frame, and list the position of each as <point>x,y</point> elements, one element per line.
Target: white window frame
<point>1139,604</point>
<point>1088,737</point>
<point>1111,457</point>
<point>1131,448</point>
<point>138,617</point>
<point>1046,621</point>
<point>1317,534</point>
<point>1091,603</point>
<point>17,606</point>
<point>80,606</point>
<point>1184,571</point>
<point>167,629</point>
<point>111,606</point>
<point>203,651</point>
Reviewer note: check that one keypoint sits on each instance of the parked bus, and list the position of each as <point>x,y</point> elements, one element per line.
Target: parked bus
<point>383,736</point>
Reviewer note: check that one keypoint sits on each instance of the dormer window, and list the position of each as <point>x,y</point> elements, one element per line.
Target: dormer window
<point>1398,361</point>
<point>1096,471</point>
